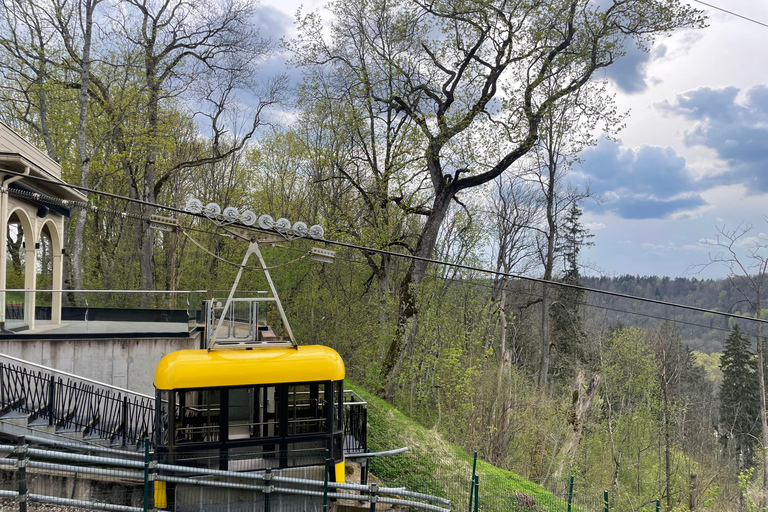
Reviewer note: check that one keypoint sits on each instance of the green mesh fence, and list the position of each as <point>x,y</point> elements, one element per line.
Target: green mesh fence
<point>496,490</point>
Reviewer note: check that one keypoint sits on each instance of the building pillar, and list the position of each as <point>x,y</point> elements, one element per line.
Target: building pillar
<point>30,280</point>
<point>3,250</point>
<point>56,284</point>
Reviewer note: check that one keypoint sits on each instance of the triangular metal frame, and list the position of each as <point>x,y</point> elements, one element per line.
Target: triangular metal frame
<point>253,248</point>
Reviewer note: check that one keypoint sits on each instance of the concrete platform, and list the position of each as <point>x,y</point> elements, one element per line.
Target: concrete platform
<point>45,327</point>
<point>70,329</point>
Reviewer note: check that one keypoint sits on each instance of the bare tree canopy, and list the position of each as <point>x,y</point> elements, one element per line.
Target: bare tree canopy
<point>476,78</point>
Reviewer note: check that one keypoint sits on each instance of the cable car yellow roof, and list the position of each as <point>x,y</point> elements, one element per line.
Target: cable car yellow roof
<point>204,369</point>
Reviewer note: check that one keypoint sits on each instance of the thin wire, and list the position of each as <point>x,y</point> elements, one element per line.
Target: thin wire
<point>413,257</point>
<point>732,13</point>
<point>247,267</point>
<point>535,294</point>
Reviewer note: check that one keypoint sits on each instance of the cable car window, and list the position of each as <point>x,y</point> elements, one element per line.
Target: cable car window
<point>307,409</point>
<point>198,414</point>
<point>163,421</point>
<point>253,412</point>
<point>338,402</point>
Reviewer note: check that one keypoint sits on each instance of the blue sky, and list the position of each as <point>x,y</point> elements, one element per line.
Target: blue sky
<point>693,156</point>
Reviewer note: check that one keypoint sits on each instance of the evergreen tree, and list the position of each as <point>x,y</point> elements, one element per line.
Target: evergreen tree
<point>739,397</point>
<point>567,329</point>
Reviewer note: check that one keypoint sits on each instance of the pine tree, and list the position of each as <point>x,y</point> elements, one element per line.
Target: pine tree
<point>739,397</point>
<point>567,330</point>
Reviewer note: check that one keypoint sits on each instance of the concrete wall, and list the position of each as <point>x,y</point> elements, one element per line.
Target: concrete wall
<point>123,362</point>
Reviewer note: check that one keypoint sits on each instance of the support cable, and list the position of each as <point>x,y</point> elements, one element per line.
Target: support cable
<point>246,267</point>
<point>395,254</point>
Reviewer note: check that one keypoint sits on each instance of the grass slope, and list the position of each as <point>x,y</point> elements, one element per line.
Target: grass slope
<point>434,466</point>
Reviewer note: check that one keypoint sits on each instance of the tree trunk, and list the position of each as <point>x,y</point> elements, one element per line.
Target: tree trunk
<point>545,344</point>
<point>382,282</point>
<point>549,264</point>
<point>82,150</point>
<point>763,424</point>
<point>505,372</point>
<point>407,321</point>
<point>579,409</point>
<point>147,238</point>
<point>667,453</point>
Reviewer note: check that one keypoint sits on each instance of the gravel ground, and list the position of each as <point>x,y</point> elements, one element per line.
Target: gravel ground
<point>10,505</point>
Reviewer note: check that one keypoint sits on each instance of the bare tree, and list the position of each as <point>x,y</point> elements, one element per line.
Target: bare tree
<point>515,207</point>
<point>473,79</point>
<point>28,56</point>
<point>746,258</point>
<point>182,45</point>
<point>73,21</point>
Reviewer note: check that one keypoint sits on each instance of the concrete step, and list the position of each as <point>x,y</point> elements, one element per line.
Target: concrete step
<point>14,415</point>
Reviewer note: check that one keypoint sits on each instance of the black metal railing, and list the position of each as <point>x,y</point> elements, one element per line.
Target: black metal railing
<point>355,423</point>
<point>72,404</point>
<point>76,405</point>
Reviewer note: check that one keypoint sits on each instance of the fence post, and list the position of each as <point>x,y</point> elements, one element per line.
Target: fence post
<point>267,488</point>
<point>477,491</point>
<point>51,396</point>
<point>472,483</point>
<point>124,419</point>
<point>21,464</point>
<point>374,496</point>
<point>570,494</point>
<point>605,500</point>
<point>325,481</point>
<point>658,505</point>
<point>146,474</point>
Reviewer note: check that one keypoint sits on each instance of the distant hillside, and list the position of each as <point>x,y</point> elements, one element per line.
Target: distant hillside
<point>701,331</point>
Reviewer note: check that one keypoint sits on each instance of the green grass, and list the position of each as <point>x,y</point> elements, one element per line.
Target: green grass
<point>434,466</point>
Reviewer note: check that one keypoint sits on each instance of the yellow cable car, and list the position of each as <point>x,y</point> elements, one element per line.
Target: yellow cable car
<point>252,408</point>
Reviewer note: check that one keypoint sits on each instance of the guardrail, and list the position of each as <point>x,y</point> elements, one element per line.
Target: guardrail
<point>144,485</point>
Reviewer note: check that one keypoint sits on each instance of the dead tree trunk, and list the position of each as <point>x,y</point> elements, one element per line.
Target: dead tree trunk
<point>576,415</point>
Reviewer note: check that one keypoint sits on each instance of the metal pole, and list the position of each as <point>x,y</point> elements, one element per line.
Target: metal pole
<point>146,474</point>
<point>325,481</point>
<point>658,505</point>
<point>570,494</point>
<point>51,384</point>
<point>605,500</point>
<point>472,483</point>
<point>124,419</point>
<point>267,489</point>
<point>374,497</point>
<point>21,455</point>
<point>477,490</point>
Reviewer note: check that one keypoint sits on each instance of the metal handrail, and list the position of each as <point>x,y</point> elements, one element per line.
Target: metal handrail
<point>37,290</point>
<point>72,376</point>
<point>94,408</point>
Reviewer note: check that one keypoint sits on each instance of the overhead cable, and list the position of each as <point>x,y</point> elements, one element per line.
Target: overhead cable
<point>413,257</point>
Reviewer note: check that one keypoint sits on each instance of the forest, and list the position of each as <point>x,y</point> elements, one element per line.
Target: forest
<point>441,130</point>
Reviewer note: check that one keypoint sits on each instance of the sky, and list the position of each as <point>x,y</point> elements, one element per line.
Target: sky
<point>692,158</point>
